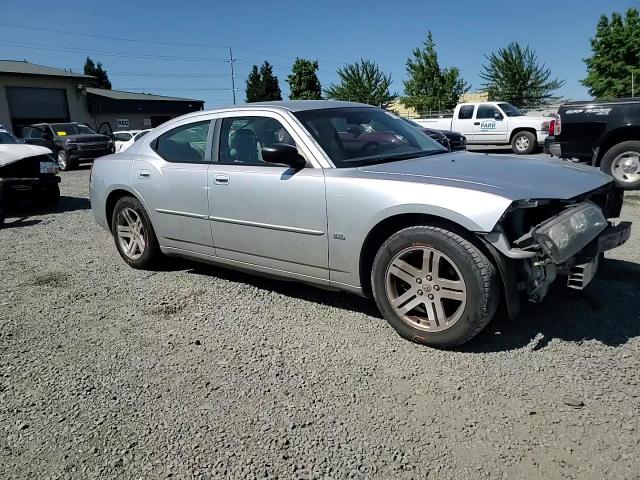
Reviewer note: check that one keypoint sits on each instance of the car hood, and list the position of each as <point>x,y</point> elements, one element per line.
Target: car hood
<point>83,138</point>
<point>11,153</point>
<point>511,177</point>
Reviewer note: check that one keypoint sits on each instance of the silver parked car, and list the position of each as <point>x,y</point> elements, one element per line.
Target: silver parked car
<point>438,239</point>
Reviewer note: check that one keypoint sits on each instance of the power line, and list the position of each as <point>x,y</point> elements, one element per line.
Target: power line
<point>108,53</point>
<point>156,42</point>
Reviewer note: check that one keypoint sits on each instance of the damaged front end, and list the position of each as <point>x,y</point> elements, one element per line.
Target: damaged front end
<point>543,239</point>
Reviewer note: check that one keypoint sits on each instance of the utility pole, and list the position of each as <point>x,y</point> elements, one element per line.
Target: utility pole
<point>233,78</point>
<point>632,85</point>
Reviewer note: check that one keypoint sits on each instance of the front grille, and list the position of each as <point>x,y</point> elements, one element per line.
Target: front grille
<point>93,146</point>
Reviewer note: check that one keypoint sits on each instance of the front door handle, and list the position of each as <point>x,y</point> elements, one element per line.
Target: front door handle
<point>476,123</point>
<point>221,179</point>
<point>144,173</point>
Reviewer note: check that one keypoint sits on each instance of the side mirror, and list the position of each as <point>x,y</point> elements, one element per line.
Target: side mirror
<point>284,154</point>
<point>498,116</point>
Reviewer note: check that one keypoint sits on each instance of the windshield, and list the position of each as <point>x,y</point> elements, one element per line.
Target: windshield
<point>510,110</point>
<point>7,138</point>
<point>64,129</point>
<point>353,137</point>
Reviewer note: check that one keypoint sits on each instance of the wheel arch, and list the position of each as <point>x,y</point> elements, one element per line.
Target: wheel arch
<point>113,197</point>
<point>390,225</point>
<point>517,130</point>
<point>612,138</point>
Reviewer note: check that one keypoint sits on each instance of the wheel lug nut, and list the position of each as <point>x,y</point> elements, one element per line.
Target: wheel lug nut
<point>436,288</point>
<point>419,292</point>
<point>429,278</point>
<point>418,280</point>
<point>430,297</point>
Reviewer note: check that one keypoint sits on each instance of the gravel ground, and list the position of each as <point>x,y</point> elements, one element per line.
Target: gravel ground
<point>199,372</point>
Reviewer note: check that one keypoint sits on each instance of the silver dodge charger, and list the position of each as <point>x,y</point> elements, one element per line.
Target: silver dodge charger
<point>350,197</point>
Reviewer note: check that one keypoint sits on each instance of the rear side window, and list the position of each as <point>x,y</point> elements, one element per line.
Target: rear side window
<point>184,144</point>
<point>466,112</point>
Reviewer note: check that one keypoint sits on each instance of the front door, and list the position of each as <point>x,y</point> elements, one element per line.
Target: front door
<point>262,214</point>
<point>490,125</point>
<point>174,181</point>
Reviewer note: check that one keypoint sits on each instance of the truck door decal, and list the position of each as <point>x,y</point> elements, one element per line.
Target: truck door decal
<point>488,125</point>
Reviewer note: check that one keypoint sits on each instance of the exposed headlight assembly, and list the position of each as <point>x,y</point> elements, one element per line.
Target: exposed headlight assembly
<point>565,235</point>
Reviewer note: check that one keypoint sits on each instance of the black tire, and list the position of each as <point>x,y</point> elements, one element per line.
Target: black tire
<point>479,275</point>
<point>151,252</point>
<point>48,196</point>
<point>64,163</point>
<point>608,159</point>
<point>530,139</point>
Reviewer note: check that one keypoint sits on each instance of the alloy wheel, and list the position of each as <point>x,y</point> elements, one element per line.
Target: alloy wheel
<point>626,167</point>
<point>522,143</point>
<point>131,233</point>
<point>426,289</point>
<point>62,160</point>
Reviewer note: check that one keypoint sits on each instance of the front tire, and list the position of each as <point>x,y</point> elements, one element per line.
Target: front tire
<point>523,143</point>
<point>133,233</point>
<point>63,160</point>
<point>434,287</point>
<point>622,162</point>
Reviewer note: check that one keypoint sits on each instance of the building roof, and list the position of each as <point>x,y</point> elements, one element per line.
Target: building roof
<point>25,68</point>
<point>120,95</point>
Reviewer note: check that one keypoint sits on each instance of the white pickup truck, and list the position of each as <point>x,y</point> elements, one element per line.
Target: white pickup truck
<point>494,123</point>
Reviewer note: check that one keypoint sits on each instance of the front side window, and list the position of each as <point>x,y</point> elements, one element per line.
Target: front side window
<point>466,112</point>
<point>510,111</point>
<point>354,137</point>
<point>184,144</point>
<point>242,139</point>
<point>122,136</point>
<point>488,111</point>
<point>32,132</point>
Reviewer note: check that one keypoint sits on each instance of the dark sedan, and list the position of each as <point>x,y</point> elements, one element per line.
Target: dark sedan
<point>450,140</point>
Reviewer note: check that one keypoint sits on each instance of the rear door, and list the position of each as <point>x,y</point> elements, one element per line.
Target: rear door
<point>463,120</point>
<point>490,125</point>
<point>172,178</point>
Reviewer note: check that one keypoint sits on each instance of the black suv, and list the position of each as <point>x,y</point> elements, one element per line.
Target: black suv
<point>72,143</point>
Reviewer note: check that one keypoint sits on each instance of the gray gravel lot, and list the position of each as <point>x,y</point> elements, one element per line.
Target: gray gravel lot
<point>199,372</point>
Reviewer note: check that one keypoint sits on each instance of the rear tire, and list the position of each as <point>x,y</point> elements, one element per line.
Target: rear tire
<point>622,162</point>
<point>448,285</point>
<point>523,143</point>
<point>133,233</point>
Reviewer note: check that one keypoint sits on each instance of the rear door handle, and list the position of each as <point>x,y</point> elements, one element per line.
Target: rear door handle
<point>221,179</point>
<point>476,123</point>
<point>144,173</point>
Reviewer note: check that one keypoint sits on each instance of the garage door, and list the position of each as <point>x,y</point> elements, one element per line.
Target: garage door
<point>35,105</point>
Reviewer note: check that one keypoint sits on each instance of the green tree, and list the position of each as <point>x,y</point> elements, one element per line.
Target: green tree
<point>100,74</point>
<point>363,82</point>
<point>253,91</point>
<point>429,87</point>
<point>615,54</point>
<point>262,85</point>
<point>303,82</point>
<point>515,75</point>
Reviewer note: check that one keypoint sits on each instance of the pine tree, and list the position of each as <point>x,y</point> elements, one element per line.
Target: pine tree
<point>262,85</point>
<point>303,82</point>
<point>101,78</point>
<point>615,56</point>
<point>362,82</point>
<point>270,86</point>
<point>514,75</point>
<point>253,91</point>
<point>429,87</point>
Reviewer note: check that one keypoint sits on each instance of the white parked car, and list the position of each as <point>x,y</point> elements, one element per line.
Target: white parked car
<point>124,139</point>
<point>494,123</point>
